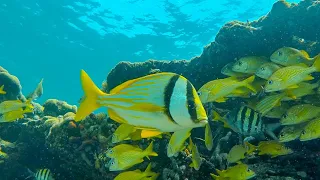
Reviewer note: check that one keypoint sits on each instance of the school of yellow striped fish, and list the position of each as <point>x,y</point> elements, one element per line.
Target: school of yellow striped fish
<point>167,105</point>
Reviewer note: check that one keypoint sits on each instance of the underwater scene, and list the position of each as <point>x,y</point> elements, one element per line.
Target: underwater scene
<point>160,90</point>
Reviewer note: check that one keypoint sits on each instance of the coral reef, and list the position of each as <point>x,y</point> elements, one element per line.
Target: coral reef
<point>54,107</point>
<point>11,86</point>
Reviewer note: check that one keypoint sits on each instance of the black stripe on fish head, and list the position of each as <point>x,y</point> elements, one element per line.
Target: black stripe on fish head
<point>192,107</point>
<point>168,94</point>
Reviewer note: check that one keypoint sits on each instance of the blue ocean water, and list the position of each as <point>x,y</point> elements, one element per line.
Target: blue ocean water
<point>55,39</point>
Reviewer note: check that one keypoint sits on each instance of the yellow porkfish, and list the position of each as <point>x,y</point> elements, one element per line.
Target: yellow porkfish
<point>218,90</point>
<point>237,172</point>
<point>288,56</point>
<point>2,91</point>
<point>289,77</point>
<point>137,174</point>
<point>162,102</point>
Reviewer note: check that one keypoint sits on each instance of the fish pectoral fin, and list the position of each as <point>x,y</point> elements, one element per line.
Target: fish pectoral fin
<point>149,133</point>
<point>221,100</point>
<point>177,140</point>
<point>114,116</point>
<point>308,78</point>
<point>305,54</point>
<point>293,86</point>
<point>191,165</point>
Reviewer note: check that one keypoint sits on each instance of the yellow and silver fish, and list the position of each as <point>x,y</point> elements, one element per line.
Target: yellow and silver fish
<point>311,130</point>
<point>218,90</point>
<point>269,102</point>
<point>237,172</point>
<point>273,148</point>
<point>266,70</point>
<point>136,174</point>
<point>227,70</point>
<point>249,64</point>
<point>288,56</point>
<point>13,105</point>
<point>290,133</point>
<point>162,102</point>
<point>125,156</point>
<point>289,77</point>
<point>300,113</point>
<point>236,153</point>
<point>122,132</point>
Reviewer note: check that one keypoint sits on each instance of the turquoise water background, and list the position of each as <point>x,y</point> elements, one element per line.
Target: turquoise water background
<point>55,39</point>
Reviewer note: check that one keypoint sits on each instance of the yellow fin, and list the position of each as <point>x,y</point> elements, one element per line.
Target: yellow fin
<point>114,116</point>
<point>221,100</point>
<point>148,133</point>
<point>150,151</point>
<point>248,84</point>
<point>293,86</point>
<point>214,176</point>
<point>89,102</point>
<point>2,91</point>
<point>305,54</point>
<point>308,78</point>
<point>316,63</point>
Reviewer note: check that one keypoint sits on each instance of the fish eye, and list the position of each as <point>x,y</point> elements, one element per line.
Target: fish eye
<point>199,93</point>
<point>262,68</point>
<point>248,170</point>
<point>270,82</point>
<point>303,132</point>
<point>279,53</point>
<point>281,135</point>
<point>285,116</point>
<point>239,63</point>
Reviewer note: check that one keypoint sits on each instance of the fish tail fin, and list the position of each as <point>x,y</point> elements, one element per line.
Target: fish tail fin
<point>250,147</point>
<point>270,128</point>
<point>214,176</point>
<point>149,151</point>
<point>316,63</point>
<point>89,102</point>
<point>2,91</point>
<point>148,171</point>
<point>247,83</point>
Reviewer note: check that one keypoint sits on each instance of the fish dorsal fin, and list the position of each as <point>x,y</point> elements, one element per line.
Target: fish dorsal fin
<point>305,54</point>
<point>130,82</point>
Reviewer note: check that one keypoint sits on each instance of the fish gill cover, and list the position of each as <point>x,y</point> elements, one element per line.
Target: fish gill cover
<point>153,115</point>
